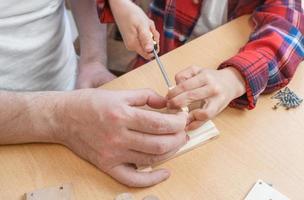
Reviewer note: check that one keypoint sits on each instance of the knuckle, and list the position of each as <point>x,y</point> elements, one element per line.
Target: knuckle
<point>156,125</point>
<point>129,45</point>
<point>182,138</point>
<point>114,115</point>
<point>216,90</point>
<point>202,115</point>
<point>183,86</point>
<point>201,79</point>
<point>209,113</point>
<point>161,148</point>
<point>152,160</point>
<point>145,39</point>
<point>152,24</point>
<point>194,68</point>
<point>179,77</point>
<point>159,124</point>
<point>175,103</point>
<point>116,140</point>
<point>121,113</point>
<point>124,113</point>
<point>208,77</point>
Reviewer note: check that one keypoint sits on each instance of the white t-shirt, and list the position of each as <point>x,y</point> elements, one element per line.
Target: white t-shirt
<point>36,48</point>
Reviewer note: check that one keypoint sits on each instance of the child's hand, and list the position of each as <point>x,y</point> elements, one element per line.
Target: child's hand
<point>217,88</point>
<point>135,27</point>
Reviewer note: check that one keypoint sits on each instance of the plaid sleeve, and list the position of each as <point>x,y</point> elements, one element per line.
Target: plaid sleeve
<point>274,51</point>
<point>104,11</point>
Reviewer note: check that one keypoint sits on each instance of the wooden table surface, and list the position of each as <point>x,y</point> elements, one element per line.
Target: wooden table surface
<point>258,144</point>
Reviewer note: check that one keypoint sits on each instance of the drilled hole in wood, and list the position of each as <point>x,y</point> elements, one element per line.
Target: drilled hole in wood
<point>61,188</point>
<point>32,194</point>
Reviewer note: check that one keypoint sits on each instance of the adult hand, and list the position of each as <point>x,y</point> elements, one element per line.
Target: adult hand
<point>216,88</point>
<point>109,129</point>
<point>93,75</point>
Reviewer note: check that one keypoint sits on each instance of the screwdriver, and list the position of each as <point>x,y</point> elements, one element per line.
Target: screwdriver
<point>164,73</point>
<point>161,67</point>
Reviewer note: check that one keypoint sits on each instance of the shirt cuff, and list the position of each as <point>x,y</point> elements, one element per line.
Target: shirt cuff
<point>104,11</point>
<point>253,68</point>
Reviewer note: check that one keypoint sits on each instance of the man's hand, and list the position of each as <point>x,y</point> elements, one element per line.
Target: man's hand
<point>92,71</point>
<point>216,88</point>
<point>110,130</point>
<point>93,75</point>
<point>135,27</point>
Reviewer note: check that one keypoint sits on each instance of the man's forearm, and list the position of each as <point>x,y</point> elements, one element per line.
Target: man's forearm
<point>92,34</point>
<point>29,117</point>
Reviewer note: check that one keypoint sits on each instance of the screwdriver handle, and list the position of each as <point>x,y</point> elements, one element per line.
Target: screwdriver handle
<point>155,45</point>
<point>154,42</point>
<point>184,109</point>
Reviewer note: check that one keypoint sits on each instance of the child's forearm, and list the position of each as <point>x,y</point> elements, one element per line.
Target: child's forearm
<point>120,8</point>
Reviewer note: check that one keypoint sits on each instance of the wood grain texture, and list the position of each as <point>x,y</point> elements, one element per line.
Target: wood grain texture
<point>259,144</point>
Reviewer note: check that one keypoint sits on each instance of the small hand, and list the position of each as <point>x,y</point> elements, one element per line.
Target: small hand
<point>93,75</point>
<point>135,26</point>
<point>216,88</point>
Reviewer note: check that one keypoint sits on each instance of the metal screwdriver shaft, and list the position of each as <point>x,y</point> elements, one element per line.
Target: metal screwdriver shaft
<point>161,67</point>
<point>164,73</point>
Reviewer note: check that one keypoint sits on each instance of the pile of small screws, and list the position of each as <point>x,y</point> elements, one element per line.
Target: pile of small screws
<point>287,99</point>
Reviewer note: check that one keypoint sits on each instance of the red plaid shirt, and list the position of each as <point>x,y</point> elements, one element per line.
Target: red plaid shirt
<point>267,62</point>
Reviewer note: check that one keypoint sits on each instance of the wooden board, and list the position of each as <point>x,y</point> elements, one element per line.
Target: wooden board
<point>198,137</point>
<point>259,144</point>
<point>60,192</point>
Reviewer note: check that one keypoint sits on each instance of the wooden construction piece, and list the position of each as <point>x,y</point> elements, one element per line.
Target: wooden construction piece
<point>61,192</point>
<point>198,137</point>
